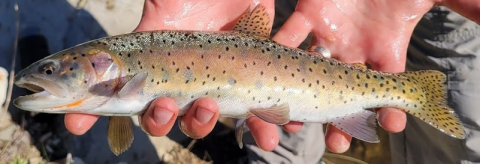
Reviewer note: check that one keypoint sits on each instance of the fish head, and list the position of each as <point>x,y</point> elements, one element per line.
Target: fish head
<point>71,81</point>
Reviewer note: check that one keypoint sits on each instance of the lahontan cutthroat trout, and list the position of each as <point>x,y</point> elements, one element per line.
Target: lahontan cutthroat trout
<point>243,70</point>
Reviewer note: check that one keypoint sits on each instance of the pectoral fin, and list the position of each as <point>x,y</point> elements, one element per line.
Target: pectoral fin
<point>133,86</point>
<point>359,125</point>
<point>277,114</point>
<point>120,134</point>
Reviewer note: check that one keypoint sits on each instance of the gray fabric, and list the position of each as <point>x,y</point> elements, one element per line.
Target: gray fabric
<point>304,147</point>
<point>444,41</point>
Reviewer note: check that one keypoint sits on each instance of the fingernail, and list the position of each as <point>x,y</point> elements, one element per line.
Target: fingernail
<point>162,116</point>
<point>203,115</point>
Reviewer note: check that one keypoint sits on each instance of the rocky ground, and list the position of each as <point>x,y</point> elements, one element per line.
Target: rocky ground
<point>50,26</point>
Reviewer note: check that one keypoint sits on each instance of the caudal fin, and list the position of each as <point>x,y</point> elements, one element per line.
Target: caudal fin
<point>435,110</point>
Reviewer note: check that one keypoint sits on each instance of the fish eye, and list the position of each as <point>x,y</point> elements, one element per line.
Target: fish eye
<point>47,68</point>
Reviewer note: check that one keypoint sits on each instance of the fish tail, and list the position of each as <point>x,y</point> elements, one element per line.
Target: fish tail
<point>434,110</point>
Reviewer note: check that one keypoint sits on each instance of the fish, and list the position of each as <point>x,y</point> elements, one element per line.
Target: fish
<point>243,70</point>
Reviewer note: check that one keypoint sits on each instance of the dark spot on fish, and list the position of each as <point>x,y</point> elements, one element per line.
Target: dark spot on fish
<point>93,65</point>
<point>275,78</point>
<point>128,55</point>
<point>227,48</point>
<point>279,56</point>
<point>286,66</point>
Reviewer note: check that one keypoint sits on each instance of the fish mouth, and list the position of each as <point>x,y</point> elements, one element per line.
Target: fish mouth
<point>47,95</point>
<point>41,87</point>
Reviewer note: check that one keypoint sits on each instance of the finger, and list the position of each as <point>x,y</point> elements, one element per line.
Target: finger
<point>78,124</point>
<point>294,31</point>
<point>336,140</point>
<point>392,120</point>
<point>160,117</point>
<point>264,133</point>
<point>200,118</point>
<point>293,126</point>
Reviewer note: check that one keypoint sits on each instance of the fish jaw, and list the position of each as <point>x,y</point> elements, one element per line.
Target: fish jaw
<point>47,97</point>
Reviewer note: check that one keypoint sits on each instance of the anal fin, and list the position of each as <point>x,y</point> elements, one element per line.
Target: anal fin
<point>240,126</point>
<point>277,114</point>
<point>360,125</point>
<point>120,134</point>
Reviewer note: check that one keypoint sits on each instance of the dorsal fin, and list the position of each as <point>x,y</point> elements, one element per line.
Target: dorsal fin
<point>256,22</point>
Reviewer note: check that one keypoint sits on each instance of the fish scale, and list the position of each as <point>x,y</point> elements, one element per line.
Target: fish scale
<point>244,71</point>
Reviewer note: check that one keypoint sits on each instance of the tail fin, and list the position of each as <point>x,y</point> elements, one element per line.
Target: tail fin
<point>435,110</point>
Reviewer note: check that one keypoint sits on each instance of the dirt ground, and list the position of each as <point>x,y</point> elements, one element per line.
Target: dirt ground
<point>42,138</point>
